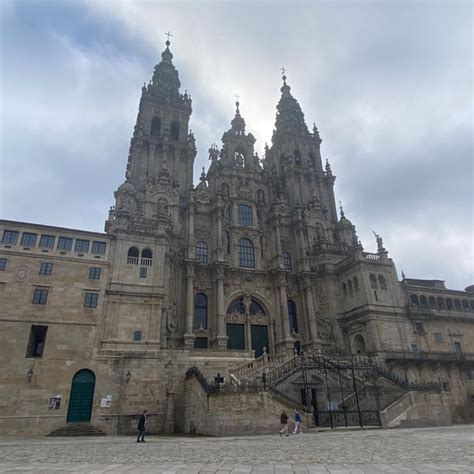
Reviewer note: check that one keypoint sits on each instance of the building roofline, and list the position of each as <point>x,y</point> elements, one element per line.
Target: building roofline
<point>51,227</point>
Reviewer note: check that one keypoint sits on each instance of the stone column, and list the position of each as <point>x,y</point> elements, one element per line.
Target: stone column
<point>169,424</point>
<point>287,341</point>
<point>220,310</point>
<point>190,236</point>
<point>278,245</point>
<point>220,243</point>
<point>248,334</point>
<point>189,335</point>
<point>311,314</point>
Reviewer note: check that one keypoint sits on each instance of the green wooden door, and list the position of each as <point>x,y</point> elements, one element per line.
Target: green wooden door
<point>236,336</point>
<point>259,339</point>
<point>82,395</point>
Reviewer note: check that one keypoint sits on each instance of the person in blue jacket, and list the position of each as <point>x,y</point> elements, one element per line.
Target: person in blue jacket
<point>297,423</point>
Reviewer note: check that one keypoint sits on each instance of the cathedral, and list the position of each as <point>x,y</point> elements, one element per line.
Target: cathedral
<point>238,278</point>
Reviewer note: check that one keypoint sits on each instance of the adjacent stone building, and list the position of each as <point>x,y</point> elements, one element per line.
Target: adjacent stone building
<point>254,261</point>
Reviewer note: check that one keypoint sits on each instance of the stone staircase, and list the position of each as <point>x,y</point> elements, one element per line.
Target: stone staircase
<point>78,429</point>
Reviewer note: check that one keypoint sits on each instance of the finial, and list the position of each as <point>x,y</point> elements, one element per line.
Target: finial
<point>203,175</point>
<point>168,34</point>
<point>237,103</point>
<point>283,76</point>
<point>342,210</point>
<point>328,167</point>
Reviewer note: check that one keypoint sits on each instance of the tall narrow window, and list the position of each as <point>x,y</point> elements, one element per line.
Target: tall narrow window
<point>200,311</point>
<point>201,251</point>
<point>174,132</point>
<point>147,258</point>
<point>28,239</point>
<point>287,261</point>
<point>292,316</point>
<point>36,341</point>
<point>10,237</point>
<point>143,272</point>
<point>382,282</point>
<point>46,268</point>
<point>155,126</point>
<point>47,241</point>
<point>246,253</point>
<point>40,296</point>
<point>373,281</point>
<point>3,264</point>
<point>90,300</point>
<point>244,215</point>
<point>457,348</point>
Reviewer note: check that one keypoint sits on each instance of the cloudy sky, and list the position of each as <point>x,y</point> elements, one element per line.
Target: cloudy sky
<point>389,85</point>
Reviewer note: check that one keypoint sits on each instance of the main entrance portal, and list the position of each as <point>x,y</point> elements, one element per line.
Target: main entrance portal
<point>259,335</point>
<point>82,395</point>
<point>236,337</point>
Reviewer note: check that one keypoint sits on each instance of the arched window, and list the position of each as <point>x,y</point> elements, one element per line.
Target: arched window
<point>246,253</point>
<point>174,131</point>
<point>200,311</point>
<point>147,256</point>
<point>373,281</point>
<point>287,261</point>
<point>382,282</point>
<point>260,196</point>
<point>256,308</point>
<point>423,301</point>
<point>449,303</point>
<point>432,302</point>
<point>155,129</point>
<point>292,316</point>
<point>132,256</point>
<point>441,304</point>
<point>237,306</point>
<point>414,300</point>
<point>344,289</point>
<point>457,304</point>
<point>356,283</point>
<point>201,251</point>
<point>297,157</point>
<point>244,215</point>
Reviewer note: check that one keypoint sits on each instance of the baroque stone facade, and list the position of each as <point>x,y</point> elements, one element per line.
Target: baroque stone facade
<point>254,260</point>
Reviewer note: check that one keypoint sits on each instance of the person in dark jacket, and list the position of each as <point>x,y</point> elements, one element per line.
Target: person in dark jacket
<point>284,423</point>
<point>141,428</point>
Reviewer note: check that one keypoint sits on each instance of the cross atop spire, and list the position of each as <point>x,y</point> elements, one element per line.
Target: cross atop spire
<point>237,103</point>
<point>283,74</point>
<point>168,34</point>
<point>341,209</point>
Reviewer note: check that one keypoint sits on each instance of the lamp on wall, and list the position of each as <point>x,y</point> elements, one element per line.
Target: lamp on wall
<point>30,374</point>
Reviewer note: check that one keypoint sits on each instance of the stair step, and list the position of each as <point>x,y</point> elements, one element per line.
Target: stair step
<point>78,429</point>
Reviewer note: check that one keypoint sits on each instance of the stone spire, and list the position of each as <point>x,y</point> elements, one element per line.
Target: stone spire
<point>290,117</point>
<point>238,123</point>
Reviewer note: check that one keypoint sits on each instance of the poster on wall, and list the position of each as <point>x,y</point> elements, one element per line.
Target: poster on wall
<point>106,402</point>
<point>54,402</point>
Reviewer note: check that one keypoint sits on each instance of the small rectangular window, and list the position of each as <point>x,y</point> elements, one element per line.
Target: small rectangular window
<point>94,273</point>
<point>3,264</point>
<point>415,350</point>
<point>446,387</point>
<point>143,272</point>
<point>200,343</point>
<point>438,337</point>
<point>40,296</point>
<point>90,300</point>
<point>81,246</point>
<point>28,239</point>
<point>46,268</point>
<point>98,248</point>
<point>457,348</point>
<point>10,237</point>
<point>36,341</point>
<point>419,328</point>
<point>47,241</point>
<point>137,335</point>
<point>64,243</point>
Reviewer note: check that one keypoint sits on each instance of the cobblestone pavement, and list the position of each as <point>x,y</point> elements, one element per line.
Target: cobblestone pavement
<point>424,450</point>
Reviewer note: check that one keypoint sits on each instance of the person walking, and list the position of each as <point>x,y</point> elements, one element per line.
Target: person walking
<point>297,423</point>
<point>284,424</point>
<point>141,428</point>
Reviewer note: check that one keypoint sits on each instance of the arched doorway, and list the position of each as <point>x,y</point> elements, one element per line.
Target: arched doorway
<point>82,395</point>
<point>359,344</point>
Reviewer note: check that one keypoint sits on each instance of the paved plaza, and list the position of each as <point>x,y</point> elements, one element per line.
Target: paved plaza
<point>424,450</point>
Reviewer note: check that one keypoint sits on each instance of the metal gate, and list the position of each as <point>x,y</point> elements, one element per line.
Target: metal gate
<point>338,391</point>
